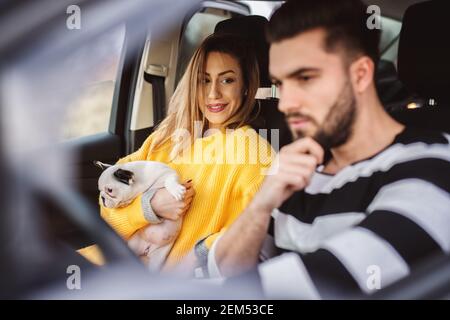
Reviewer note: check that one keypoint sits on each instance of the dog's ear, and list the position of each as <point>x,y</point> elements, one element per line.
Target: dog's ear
<point>124,176</point>
<point>102,165</point>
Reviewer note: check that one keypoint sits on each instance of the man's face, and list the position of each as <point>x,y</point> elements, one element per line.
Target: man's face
<point>315,90</point>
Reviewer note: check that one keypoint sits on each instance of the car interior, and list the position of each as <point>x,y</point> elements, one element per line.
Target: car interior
<point>412,85</point>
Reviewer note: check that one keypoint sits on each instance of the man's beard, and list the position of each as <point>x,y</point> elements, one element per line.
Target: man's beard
<point>337,127</point>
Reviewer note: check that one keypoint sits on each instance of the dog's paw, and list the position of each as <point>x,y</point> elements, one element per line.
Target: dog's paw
<point>177,191</point>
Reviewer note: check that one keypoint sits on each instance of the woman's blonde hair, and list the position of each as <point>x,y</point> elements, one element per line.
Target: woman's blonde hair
<point>184,114</point>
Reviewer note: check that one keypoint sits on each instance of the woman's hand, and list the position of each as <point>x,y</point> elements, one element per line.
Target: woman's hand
<point>165,205</point>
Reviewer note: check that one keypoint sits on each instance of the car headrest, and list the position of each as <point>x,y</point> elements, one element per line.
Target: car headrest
<point>424,50</point>
<point>253,29</point>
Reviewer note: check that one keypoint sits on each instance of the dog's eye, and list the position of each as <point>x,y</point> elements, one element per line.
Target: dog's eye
<point>124,176</point>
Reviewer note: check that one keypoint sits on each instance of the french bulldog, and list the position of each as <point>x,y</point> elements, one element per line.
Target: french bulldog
<point>120,184</point>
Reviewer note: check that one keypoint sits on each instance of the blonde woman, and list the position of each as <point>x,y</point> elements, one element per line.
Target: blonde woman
<point>207,139</point>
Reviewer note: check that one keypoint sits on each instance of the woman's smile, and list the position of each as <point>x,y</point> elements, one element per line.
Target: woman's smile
<point>216,107</point>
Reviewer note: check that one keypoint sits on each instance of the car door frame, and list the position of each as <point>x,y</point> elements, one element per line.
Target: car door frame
<point>161,88</point>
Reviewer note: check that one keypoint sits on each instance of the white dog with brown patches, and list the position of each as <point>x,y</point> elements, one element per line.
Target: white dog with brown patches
<point>120,184</point>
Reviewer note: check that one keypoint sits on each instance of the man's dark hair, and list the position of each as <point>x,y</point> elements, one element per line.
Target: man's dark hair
<point>343,20</point>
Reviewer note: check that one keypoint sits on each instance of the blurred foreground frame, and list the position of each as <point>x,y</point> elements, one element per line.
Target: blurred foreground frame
<point>38,75</point>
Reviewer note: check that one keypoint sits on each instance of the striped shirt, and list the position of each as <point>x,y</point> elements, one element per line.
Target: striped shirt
<point>364,228</point>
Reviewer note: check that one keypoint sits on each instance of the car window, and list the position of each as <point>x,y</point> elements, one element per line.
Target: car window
<point>390,31</point>
<point>263,8</point>
<point>89,113</point>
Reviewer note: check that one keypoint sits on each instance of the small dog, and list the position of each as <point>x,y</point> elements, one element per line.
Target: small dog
<point>120,184</point>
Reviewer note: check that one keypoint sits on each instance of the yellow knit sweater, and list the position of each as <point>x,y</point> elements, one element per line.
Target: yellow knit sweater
<point>226,169</point>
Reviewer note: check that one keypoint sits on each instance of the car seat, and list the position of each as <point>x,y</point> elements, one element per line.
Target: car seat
<point>423,64</point>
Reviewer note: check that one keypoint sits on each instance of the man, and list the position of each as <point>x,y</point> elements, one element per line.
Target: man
<point>363,214</point>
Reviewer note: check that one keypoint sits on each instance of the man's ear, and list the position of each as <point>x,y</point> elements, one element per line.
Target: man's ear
<point>362,73</point>
<point>102,165</point>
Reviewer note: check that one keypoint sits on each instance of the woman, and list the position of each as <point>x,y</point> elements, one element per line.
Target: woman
<point>216,94</point>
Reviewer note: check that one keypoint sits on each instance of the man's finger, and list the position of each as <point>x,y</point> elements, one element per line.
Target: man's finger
<point>295,171</point>
<point>307,145</point>
<point>306,160</point>
<point>295,182</point>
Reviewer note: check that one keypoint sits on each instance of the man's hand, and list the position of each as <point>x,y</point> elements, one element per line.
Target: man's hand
<point>238,249</point>
<point>291,172</point>
<point>165,205</point>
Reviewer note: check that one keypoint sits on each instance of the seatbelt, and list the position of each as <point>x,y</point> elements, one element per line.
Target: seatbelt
<point>156,75</point>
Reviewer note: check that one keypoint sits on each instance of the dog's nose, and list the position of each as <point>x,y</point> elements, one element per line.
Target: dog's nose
<point>109,190</point>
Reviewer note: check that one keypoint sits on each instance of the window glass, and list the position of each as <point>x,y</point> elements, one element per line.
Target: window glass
<point>89,113</point>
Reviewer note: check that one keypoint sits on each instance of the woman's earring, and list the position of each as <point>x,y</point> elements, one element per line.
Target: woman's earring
<point>246,92</point>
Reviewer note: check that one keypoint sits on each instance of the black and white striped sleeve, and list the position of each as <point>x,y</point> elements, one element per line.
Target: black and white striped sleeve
<point>380,250</point>
<point>407,222</point>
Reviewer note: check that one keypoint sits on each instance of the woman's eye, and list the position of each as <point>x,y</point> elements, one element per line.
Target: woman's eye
<point>228,80</point>
<point>204,81</point>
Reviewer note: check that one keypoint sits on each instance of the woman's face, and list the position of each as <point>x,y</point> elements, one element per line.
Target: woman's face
<point>222,86</point>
